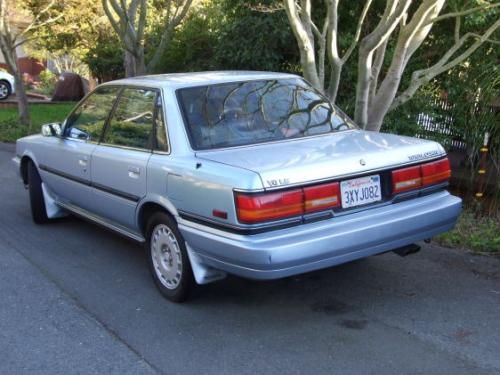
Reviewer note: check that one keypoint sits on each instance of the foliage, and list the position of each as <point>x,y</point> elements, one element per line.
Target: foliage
<point>132,22</point>
<point>253,40</point>
<point>474,114</point>
<point>81,35</point>
<point>192,45</point>
<point>230,35</point>
<point>10,130</point>
<point>462,103</point>
<point>47,82</point>
<point>105,58</point>
<point>478,233</point>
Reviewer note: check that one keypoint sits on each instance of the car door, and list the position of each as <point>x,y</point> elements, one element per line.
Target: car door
<point>66,161</point>
<point>120,161</point>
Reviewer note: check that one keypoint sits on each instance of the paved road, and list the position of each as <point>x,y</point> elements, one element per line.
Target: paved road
<point>77,299</point>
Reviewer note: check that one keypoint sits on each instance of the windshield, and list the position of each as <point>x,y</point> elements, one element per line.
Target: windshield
<point>242,113</point>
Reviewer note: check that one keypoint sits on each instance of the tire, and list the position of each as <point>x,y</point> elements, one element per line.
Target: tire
<point>167,258</point>
<point>38,211</point>
<point>5,90</point>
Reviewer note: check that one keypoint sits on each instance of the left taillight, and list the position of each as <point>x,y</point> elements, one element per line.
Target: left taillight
<point>256,208</point>
<point>417,176</point>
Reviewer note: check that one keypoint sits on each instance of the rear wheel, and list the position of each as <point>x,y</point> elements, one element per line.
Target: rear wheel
<point>168,259</point>
<point>38,211</point>
<point>5,90</point>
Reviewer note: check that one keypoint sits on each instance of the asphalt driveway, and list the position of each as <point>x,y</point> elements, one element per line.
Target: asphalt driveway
<point>75,298</point>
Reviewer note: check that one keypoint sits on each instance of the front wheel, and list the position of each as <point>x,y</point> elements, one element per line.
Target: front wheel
<point>37,201</point>
<point>168,259</point>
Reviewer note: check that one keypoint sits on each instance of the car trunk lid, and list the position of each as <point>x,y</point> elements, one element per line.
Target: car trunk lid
<point>331,156</point>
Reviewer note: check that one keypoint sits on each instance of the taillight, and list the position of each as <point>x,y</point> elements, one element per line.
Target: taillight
<point>420,175</point>
<point>253,208</point>
<point>406,179</point>
<point>321,197</point>
<point>437,171</point>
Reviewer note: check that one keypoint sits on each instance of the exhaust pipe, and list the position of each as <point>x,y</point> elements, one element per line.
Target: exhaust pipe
<point>407,250</point>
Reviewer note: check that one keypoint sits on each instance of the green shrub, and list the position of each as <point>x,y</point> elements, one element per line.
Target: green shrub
<point>47,82</point>
<point>480,233</point>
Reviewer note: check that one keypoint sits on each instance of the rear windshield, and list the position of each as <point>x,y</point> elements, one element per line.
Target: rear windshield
<point>243,113</point>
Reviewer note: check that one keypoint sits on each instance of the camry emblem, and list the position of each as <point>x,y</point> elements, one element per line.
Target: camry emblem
<point>362,161</point>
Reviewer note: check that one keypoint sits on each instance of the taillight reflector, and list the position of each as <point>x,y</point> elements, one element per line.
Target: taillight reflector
<point>252,208</point>
<point>437,171</point>
<point>321,197</point>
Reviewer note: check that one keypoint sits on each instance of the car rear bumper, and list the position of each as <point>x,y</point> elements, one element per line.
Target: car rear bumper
<point>326,243</point>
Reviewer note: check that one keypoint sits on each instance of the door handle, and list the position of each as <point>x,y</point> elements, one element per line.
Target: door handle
<point>134,172</point>
<point>83,161</point>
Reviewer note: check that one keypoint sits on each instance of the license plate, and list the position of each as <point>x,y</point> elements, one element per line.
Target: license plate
<point>359,191</point>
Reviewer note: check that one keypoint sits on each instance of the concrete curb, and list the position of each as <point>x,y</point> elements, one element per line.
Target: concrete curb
<point>10,147</point>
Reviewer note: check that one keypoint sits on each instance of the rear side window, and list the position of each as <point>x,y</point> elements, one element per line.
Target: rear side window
<point>132,121</point>
<point>161,134</point>
<point>87,121</point>
<point>242,113</point>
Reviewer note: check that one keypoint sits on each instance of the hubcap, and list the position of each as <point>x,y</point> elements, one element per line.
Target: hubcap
<point>166,255</point>
<point>4,91</point>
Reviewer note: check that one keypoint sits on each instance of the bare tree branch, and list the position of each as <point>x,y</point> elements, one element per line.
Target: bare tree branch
<point>420,77</point>
<point>358,31</point>
<point>376,68</point>
<point>306,48</point>
<point>33,27</point>
<point>457,29</point>
<point>485,40</point>
<point>395,10</point>
<point>170,24</point>
<point>462,13</point>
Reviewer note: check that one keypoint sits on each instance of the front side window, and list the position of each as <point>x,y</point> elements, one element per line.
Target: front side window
<point>132,122</point>
<point>87,121</point>
<point>235,114</point>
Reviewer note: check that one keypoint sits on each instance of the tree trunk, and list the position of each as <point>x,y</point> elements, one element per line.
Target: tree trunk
<point>22,98</point>
<point>363,86</point>
<point>387,92</point>
<point>129,64</point>
<point>133,59</point>
<point>140,64</point>
<point>306,46</point>
<point>333,86</point>
<point>10,56</point>
<point>134,64</point>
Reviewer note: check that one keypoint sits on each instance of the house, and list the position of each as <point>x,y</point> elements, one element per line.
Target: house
<point>30,67</point>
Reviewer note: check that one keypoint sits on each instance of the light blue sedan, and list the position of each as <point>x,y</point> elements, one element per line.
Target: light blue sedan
<point>250,173</point>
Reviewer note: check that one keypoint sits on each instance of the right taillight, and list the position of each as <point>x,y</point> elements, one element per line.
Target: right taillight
<point>435,172</point>
<point>410,178</point>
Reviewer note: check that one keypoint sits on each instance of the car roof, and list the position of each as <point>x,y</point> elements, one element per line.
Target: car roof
<point>180,80</point>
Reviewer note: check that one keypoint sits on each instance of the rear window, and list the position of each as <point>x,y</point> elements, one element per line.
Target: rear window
<point>242,113</point>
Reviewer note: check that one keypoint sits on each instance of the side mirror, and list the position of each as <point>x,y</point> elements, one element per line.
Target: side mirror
<point>51,130</point>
